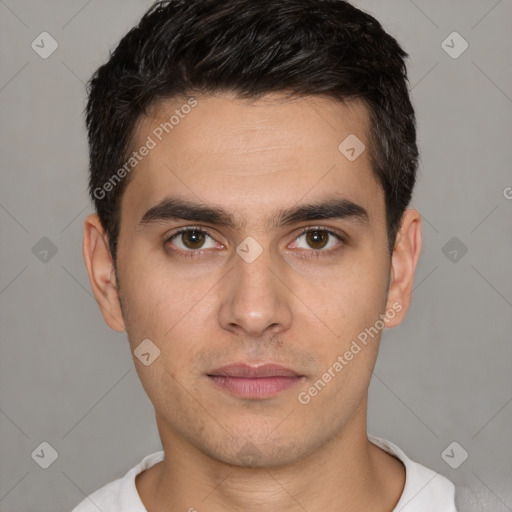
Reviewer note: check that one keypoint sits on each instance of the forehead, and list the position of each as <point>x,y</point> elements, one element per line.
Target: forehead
<point>251,156</point>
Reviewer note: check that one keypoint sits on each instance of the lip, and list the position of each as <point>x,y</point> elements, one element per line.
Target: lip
<point>254,372</point>
<point>254,382</point>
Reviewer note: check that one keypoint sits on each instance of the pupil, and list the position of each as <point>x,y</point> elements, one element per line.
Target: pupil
<point>315,237</point>
<point>193,239</point>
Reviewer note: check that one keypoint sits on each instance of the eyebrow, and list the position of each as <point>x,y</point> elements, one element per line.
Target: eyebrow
<point>175,208</point>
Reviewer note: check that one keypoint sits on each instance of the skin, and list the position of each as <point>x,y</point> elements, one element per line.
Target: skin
<point>287,306</point>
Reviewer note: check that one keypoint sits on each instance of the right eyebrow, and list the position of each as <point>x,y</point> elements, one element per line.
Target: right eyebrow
<point>334,207</point>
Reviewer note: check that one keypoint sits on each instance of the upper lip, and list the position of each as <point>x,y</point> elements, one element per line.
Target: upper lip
<point>248,371</point>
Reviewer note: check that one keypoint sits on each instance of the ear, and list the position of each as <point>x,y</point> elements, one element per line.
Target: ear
<point>405,256</point>
<point>100,268</point>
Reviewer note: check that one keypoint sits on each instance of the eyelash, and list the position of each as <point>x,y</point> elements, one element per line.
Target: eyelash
<point>315,253</point>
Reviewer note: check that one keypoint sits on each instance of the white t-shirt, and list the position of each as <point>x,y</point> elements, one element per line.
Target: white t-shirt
<point>424,491</point>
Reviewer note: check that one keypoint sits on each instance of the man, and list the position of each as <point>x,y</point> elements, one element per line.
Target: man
<point>251,165</point>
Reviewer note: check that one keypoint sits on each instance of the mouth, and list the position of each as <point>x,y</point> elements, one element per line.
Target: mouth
<point>254,382</point>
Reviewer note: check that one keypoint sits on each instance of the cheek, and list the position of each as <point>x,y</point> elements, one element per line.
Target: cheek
<point>348,308</point>
<point>350,298</point>
<point>166,318</point>
<point>155,298</point>
<point>167,310</point>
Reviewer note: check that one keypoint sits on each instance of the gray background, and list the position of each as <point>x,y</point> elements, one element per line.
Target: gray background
<point>444,375</point>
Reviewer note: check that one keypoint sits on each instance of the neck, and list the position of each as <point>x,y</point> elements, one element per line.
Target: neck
<point>346,473</point>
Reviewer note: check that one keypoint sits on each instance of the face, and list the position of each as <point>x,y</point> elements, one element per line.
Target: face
<point>220,263</point>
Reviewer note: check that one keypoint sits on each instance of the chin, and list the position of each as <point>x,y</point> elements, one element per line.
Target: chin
<point>257,451</point>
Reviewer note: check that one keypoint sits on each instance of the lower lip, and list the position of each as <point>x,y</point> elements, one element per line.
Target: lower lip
<point>262,387</point>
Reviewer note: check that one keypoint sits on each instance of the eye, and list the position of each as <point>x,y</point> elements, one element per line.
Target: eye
<point>319,239</point>
<point>192,239</point>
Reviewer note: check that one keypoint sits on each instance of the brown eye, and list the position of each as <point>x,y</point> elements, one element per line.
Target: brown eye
<point>193,239</point>
<point>317,239</point>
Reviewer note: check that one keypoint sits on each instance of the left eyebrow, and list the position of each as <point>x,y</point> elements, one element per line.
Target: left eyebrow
<point>176,208</point>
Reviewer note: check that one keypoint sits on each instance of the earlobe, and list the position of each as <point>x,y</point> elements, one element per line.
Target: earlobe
<point>404,259</point>
<point>100,269</point>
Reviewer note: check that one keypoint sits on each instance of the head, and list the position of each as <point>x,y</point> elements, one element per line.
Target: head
<point>251,121</point>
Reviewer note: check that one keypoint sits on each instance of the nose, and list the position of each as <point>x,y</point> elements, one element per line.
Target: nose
<point>254,300</point>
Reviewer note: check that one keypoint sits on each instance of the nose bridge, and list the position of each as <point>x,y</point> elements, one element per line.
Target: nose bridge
<point>254,298</point>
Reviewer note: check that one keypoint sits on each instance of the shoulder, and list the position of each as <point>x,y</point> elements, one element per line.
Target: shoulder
<point>106,498</point>
<point>424,490</point>
<point>120,494</point>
